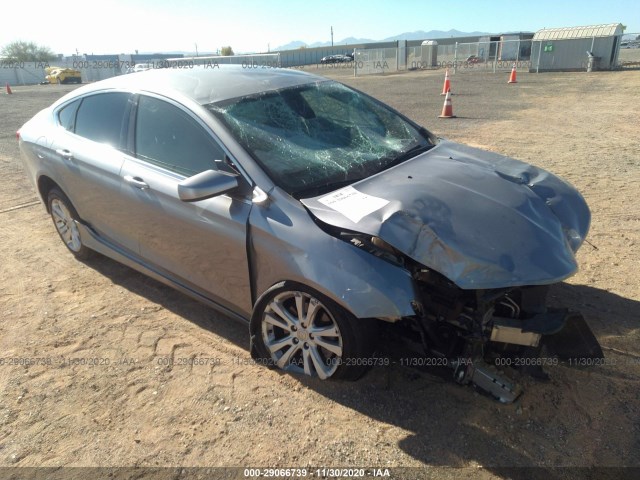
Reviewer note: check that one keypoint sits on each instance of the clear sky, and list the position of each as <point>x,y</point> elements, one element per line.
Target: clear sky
<point>120,26</point>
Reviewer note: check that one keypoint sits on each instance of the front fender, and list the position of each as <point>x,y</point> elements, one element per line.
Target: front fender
<point>363,284</point>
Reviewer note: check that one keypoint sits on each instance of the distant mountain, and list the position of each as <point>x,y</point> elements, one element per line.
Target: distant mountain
<point>419,35</point>
<point>291,46</point>
<point>345,41</point>
<point>432,34</point>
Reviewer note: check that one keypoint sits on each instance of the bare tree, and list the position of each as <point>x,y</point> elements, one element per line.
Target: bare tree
<point>20,51</point>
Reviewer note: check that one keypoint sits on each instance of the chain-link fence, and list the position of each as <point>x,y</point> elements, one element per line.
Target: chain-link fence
<point>629,54</point>
<point>21,73</point>
<point>483,56</point>
<point>491,56</point>
<point>258,60</point>
<point>477,56</point>
<point>424,56</point>
<point>29,73</point>
<point>501,55</point>
<point>375,60</point>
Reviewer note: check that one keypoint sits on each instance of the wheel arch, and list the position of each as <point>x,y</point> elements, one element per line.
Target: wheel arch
<point>45,185</point>
<point>364,285</point>
<point>296,284</point>
<point>359,335</point>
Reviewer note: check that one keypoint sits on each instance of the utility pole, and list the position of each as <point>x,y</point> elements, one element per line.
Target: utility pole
<point>332,36</point>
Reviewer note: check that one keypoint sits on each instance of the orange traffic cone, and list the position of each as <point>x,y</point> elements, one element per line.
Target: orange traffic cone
<point>447,108</point>
<point>512,77</point>
<point>9,92</point>
<point>447,83</point>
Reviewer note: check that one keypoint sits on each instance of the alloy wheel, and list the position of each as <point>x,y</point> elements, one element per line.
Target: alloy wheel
<point>302,335</point>
<point>66,225</point>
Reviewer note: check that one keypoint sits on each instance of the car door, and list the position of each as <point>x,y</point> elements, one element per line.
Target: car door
<point>89,150</point>
<point>203,244</point>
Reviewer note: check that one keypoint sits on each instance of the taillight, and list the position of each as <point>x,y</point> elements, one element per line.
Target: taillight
<point>18,135</point>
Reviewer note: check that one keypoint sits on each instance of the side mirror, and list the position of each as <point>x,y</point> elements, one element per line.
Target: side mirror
<point>207,184</point>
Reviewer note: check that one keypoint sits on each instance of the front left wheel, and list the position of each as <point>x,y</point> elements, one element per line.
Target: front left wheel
<point>300,330</point>
<point>64,218</point>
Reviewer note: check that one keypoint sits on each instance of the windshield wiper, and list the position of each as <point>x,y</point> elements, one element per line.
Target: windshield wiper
<point>406,155</point>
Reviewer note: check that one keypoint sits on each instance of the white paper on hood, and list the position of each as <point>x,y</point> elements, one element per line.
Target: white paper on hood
<point>353,204</point>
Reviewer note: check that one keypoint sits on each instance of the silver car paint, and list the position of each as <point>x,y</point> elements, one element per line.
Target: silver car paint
<point>202,242</point>
<point>91,186</point>
<point>535,225</point>
<point>286,244</point>
<point>182,251</point>
<point>92,178</point>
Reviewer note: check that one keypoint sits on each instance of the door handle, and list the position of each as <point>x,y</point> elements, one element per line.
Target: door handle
<point>136,182</point>
<point>64,153</point>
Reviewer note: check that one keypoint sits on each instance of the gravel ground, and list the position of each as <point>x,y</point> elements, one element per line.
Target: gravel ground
<point>132,409</point>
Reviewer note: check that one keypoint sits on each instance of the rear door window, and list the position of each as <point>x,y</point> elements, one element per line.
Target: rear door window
<point>101,118</point>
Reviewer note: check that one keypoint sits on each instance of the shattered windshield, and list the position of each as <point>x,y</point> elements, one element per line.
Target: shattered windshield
<point>318,137</point>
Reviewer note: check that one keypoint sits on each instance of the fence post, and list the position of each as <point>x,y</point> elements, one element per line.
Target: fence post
<point>355,62</point>
<point>455,58</point>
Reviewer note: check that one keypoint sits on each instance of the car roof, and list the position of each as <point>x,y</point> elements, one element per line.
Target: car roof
<point>204,84</point>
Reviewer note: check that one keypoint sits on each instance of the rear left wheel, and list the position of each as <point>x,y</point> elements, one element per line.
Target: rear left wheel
<point>64,218</point>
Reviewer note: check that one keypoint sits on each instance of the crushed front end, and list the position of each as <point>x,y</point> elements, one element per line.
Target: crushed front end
<point>482,333</point>
<point>484,238</point>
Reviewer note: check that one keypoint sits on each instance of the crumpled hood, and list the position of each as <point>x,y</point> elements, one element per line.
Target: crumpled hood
<point>481,219</point>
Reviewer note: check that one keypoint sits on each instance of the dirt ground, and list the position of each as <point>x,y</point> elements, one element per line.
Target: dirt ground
<point>98,389</point>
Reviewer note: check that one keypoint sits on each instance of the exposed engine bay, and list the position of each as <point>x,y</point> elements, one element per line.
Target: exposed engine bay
<point>481,333</point>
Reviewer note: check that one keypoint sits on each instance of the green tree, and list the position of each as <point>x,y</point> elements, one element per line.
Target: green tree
<point>20,51</point>
<point>227,51</point>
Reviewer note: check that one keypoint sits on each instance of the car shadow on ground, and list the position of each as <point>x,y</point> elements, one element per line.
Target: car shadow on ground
<point>445,424</point>
<point>182,305</point>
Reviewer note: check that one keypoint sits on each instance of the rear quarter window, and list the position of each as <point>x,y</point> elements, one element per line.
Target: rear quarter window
<point>67,115</point>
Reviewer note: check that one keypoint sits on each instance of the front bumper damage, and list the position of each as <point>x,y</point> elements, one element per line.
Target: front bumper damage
<point>490,338</point>
<point>572,343</point>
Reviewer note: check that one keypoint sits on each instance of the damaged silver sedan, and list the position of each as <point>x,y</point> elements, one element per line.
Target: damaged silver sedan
<point>316,214</point>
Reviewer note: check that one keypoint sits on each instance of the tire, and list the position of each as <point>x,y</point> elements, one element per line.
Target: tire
<point>333,344</point>
<point>64,218</point>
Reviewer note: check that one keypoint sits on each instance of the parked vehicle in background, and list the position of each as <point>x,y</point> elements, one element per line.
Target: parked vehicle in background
<point>336,59</point>
<point>139,67</point>
<point>474,59</point>
<point>61,75</point>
